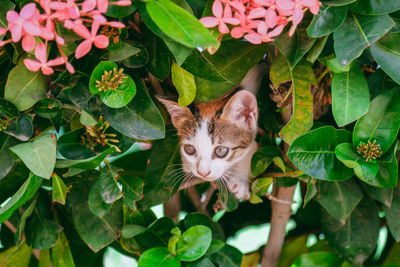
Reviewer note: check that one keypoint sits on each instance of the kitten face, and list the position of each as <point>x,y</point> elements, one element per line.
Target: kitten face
<point>216,136</point>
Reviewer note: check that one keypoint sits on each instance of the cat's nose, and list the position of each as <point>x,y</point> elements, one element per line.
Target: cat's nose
<point>204,173</point>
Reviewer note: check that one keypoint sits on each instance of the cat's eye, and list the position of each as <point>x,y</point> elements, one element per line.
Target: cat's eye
<point>189,149</point>
<point>221,151</point>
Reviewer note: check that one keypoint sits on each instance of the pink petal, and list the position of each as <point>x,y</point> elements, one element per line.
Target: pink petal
<point>16,32</point>
<point>227,12</point>
<point>238,6</point>
<point>28,43</point>
<point>262,28</point>
<point>41,53</point>
<point>232,21</point>
<point>70,68</point>
<point>27,11</point>
<point>56,62</point>
<point>99,19</point>
<point>83,48</point>
<point>314,9</point>
<point>81,30</point>
<point>3,30</point>
<point>102,5</point>
<point>285,4</point>
<point>74,12</point>
<point>12,16</point>
<point>209,22</point>
<point>60,40</point>
<point>47,34</point>
<point>292,30</point>
<point>101,41</point>
<point>237,32</point>
<point>95,28</point>
<point>68,24</point>
<point>116,24</point>
<point>262,2</point>
<point>256,13</point>
<point>124,3</point>
<point>32,65</point>
<point>47,70</point>
<point>88,5</point>
<point>57,5</point>
<point>223,28</point>
<point>275,32</point>
<point>297,15</point>
<point>253,38</point>
<point>217,9</point>
<point>271,18</point>
<point>31,28</point>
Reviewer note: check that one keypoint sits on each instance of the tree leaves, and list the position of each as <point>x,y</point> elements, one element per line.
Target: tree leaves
<point>357,33</point>
<point>158,257</point>
<point>327,21</point>
<point>193,243</point>
<point>39,155</point>
<point>302,77</point>
<point>184,83</point>
<point>24,88</point>
<point>375,7</point>
<point>350,95</point>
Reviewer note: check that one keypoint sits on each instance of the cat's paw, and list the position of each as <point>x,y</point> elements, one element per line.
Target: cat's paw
<point>241,191</point>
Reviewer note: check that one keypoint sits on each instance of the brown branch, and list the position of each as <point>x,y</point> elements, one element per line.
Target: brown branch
<point>10,226</point>
<point>172,207</point>
<point>207,197</point>
<point>194,197</point>
<point>156,85</point>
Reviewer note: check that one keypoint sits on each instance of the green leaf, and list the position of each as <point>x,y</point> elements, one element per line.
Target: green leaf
<point>130,230</point>
<point>302,76</point>
<point>132,188</point>
<point>157,234</point>
<point>262,159</point>
<point>158,257</point>
<point>363,170</point>
<point>393,257</point>
<point>200,65</point>
<point>357,33</point>
<point>96,203</point>
<point>60,190</point>
<point>316,50</point>
<point>295,47</point>
<point>159,61</point>
<point>334,65</point>
<point>292,249</point>
<point>314,154</point>
<point>184,83</point>
<point>61,255</point>
<point>311,191</point>
<point>356,239</point>
<point>109,187</point>
<point>44,258</point>
<point>259,188</point>
<point>39,155</point>
<point>48,108</point>
<point>386,52</point>
<point>193,243</point>
<point>375,7</point>
<point>227,256</point>
<point>96,232</point>
<point>85,164</point>
<point>24,88</point>
<point>43,233</point>
<point>8,109</point>
<point>124,52</point>
<point>158,184</point>
<point>139,119</point>
<point>116,11</point>
<point>388,170</point>
<point>179,24</point>
<point>87,119</point>
<point>327,21</point>
<point>393,218</point>
<point>18,256</point>
<point>5,6</point>
<point>21,128</point>
<point>318,259</point>
<point>381,123</point>
<point>350,96</point>
<point>6,160</point>
<point>338,2</point>
<point>176,234</point>
<point>383,195</point>
<point>138,60</point>
<point>24,193</point>
<point>339,199</point>
<point>202,262</point>
<point>233,60</point>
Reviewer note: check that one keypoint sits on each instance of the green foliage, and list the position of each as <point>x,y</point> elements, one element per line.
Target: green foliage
<point>85,156</point>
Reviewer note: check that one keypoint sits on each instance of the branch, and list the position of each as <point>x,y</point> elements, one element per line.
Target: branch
<point>156,85</point>
<point>172,207</point>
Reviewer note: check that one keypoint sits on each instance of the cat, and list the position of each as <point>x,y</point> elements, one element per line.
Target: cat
<point>217,139</point>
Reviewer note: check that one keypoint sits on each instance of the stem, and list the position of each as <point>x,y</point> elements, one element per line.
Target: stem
<point>326,71</point>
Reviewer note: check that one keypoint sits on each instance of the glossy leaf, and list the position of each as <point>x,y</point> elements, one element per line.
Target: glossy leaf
<point>184,83</point>
<point>24,193</point>
<point>130,230</point>
<point>86,119</point>
<point>353,242</point>
<point>339,198</point>
<point>18,256</point>
<point>21,128</point>
<point>85,164</point>
<point>260,187</point>
<point>386,52</point>
<point>48,108</point>
<point>157,234</point>
<point>262,159</point>
<point>381,123</point>
<point>291,250</point>
<point>138,60</point>
<point>132,188</point>
<point>158,257</point>
<point>334,65</point>
<point>357,33</point>
<point>96,203</point>
<point>233,60</point>
<point>159,62</point>
<point>139,119</point>
<point>350,96</point>
<point>180,25</point>
<point>43,232</point>
<point>383,195</point>
<point>316,50</point>
<point>327,21</point>
<point>4,7</point>
<point>60,190</point>
<point>375,7</point>
<point>7,109</point>
<point>109,190</point>
<point>392,217</point>
<point>61,255</point>
<point>318,259</point>
<point>24,88</point>
<point>227,256</point>
<point>363,170</point>
<point>124,52</point>
<point>302,77</point>
<point>388,170</point>
<point>338,2</point>
<point>116,11</point>
<point>39,155</point>
<point>6,160</point>
<point>193,243</point>
<point>314,154</point>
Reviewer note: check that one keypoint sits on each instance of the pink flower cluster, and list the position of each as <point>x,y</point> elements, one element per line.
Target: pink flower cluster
<point>258,21</point>
<point>36,29</point>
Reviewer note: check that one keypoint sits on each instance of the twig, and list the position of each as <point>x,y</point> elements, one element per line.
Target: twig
<point>194,197</point>
<point>206,197</point>
<point>10,226</point>
<point>282,201</point>
<point>172,207</point>
<point>156,84</point>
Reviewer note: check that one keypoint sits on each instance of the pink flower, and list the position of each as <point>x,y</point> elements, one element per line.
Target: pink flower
<point>42,63</point>
<point>70,7</point>
<point>220,19</point>
<point>17,23</point>
<point>100,41</point>
<point>262,34</point>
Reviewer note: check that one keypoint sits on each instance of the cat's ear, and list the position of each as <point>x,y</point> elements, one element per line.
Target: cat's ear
<point>178,113</point>
<point>242,110</point>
